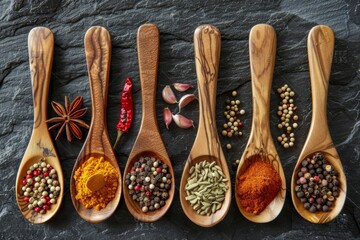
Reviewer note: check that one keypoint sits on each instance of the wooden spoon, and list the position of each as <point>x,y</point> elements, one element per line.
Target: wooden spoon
<point>260,146</point>
<point>320,52</point>
<point>97,144</point>
<point>148,142</point>
<point>207,42</point>
<point>41,51</point>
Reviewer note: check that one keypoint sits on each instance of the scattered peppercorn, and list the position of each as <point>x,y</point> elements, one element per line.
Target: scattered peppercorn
<point>41,187</point>
<point>236,163</point>
<point>232,114</point>
<point>232,126</point>
<point>149,182</point>
<point>317,184</point>
<point>286,111</point>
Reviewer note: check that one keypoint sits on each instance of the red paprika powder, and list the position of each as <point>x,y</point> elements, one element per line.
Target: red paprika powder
<point>258,186</point>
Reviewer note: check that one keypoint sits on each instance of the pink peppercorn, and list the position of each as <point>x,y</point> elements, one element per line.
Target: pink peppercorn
<point>302,180</point>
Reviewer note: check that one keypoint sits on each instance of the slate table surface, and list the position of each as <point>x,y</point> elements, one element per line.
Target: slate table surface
<point>177,21</point>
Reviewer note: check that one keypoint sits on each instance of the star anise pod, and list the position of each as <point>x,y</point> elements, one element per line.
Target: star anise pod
<point>68,119</point>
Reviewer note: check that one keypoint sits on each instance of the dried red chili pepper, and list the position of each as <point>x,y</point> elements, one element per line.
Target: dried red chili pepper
<point>126,110</point>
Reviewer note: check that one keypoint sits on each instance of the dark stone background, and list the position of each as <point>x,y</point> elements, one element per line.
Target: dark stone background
<point>177,21</point>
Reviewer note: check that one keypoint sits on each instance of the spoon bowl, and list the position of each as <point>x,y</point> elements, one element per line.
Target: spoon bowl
<point>207,41</point>
<point>148,142</point>
<point>260,146</point>
<point>40,146</point>
<point>97,144</point>
<point>320,51</point>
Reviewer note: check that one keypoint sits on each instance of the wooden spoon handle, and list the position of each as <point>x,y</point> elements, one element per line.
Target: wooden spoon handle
<point>41,52</point>
<point>148,44</point>
<point>262,49</point>
<point>207,43</point>
<point>320,52</point>
<point>98,55</point>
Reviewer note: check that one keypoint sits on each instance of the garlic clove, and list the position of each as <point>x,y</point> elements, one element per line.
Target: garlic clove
<point>185,100</point>
<point>168,95</point>
<point>167,115</point>
<point>182,121</point>
<point>182,87</point>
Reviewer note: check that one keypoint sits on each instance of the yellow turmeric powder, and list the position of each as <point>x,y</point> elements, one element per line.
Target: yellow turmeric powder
<point>96,182</point>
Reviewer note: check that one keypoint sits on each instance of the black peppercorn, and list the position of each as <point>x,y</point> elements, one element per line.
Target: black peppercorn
<point>312,208</point>
<point>304,163</point>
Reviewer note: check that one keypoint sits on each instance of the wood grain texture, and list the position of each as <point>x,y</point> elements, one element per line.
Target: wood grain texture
<point>320,52</point>
<point>207,43</point>
<point>97,144</point>
<point>262,50</point>
<point>148,141</point>
<point>41,51</point>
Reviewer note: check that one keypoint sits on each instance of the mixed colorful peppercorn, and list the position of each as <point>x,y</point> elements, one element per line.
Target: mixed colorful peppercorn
<point>41,187</point>
<point>232,115</point>
<point>287,115</point>
<point>317,185</point>
<point>149,182</point>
